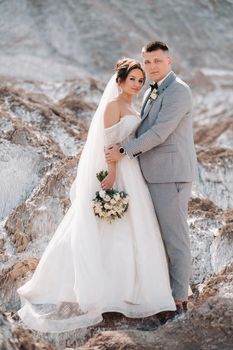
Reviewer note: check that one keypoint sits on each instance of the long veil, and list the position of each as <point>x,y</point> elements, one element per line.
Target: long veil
<point>92,159</point>
<point>68,277</point>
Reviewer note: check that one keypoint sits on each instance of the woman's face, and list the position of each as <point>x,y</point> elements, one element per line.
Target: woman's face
<point>133,83</point>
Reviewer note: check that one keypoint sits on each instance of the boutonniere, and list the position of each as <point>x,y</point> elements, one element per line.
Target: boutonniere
<point>153,95</point>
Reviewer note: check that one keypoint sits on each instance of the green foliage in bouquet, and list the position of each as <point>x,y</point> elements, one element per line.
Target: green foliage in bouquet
<point>110,204</point>
<point>101,175</point>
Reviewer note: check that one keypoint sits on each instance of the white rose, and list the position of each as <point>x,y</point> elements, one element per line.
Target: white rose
<point>107,198</point>
<point>102,193</point>
<point>116,196</point>
<point>98,210</point>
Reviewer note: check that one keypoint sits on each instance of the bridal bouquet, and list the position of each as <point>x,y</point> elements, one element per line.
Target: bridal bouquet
<point>110,204</point>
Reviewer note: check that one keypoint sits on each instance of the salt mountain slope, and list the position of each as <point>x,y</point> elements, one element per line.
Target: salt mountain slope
<point>63,39</point>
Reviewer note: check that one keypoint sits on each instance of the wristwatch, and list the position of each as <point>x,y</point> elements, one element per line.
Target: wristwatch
<point>122,150</point>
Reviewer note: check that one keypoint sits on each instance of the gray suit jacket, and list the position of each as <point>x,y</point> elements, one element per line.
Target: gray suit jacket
<point>164,138</point>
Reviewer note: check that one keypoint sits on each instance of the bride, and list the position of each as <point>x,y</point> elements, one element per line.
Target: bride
<point>91,266</point>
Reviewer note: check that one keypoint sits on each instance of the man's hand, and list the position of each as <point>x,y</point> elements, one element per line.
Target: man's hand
<point>112,153</point>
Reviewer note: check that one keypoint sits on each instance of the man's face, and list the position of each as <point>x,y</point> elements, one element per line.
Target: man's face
<point>157,64</point>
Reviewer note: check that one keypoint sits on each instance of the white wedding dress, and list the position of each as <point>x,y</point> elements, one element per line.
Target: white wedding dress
<point>91,266</point>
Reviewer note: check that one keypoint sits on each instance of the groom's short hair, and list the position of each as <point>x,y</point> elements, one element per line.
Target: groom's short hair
<point>155,45</point>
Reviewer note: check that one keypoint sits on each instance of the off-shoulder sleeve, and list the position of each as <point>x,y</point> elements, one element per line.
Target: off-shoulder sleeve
<point>121,131</point>
<point>112,134</point>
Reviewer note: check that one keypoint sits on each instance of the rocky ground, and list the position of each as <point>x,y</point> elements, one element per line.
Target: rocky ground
<point>43,129</point>
<point>208,324</point>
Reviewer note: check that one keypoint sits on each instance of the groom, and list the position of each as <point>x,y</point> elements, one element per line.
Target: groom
<point>165,148</point>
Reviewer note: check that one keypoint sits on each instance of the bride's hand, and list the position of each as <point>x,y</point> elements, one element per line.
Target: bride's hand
<point>112,153</point>
<point>108,181</point>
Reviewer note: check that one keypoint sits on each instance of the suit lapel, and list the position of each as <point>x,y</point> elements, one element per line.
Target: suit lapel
<point>144,104</point>
<point>145,111</point>
<point>170,78</point>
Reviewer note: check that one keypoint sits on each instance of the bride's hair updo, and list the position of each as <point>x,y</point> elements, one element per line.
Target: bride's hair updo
<point>124,66</point>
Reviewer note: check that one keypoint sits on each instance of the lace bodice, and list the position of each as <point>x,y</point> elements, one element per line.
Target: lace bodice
<point>123,130</point>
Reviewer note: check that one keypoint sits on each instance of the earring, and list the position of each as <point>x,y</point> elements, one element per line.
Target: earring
<point>120,89</point>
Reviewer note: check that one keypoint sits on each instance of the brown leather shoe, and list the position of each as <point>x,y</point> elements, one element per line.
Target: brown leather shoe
<point>185,306</point>
<point>170,315</point>
<point>181,308</point>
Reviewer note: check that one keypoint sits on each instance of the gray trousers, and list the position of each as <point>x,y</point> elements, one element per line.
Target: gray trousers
<point>171,206</point>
